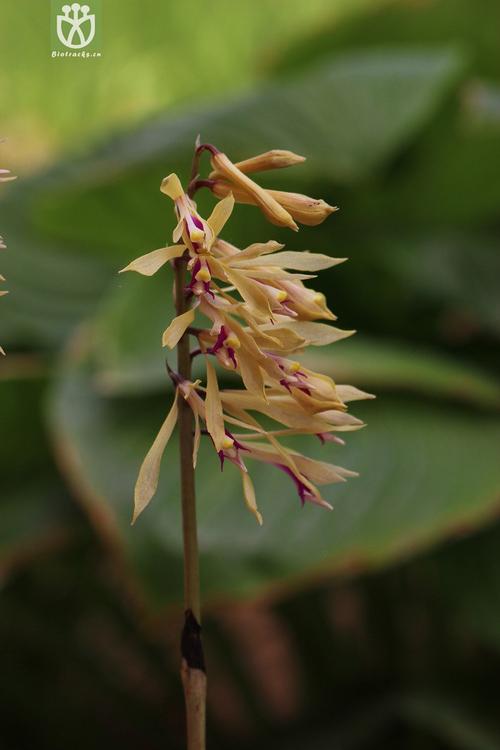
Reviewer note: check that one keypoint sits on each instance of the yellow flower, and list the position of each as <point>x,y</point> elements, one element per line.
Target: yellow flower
<point>239,180</point>
<point>261,317</point>
<point>280,207</point>
<point>197,234</point>
<point>274,159</point>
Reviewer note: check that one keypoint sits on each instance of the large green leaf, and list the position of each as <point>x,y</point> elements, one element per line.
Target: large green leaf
<point>69,228</point>
<point>431,717</point>
<point>417,484</point>
<point>395,24</point>
<point>35,511</point>
<point>466,577</point>
<point>450,174</point>
<point>143,68</point>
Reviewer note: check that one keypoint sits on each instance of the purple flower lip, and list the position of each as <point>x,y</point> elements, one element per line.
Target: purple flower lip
<point>197,222</point>
<point>219,344</point>
<point>237,443</point>
<point>235,459</point>
<point>304,389</point>
<point>295,382</point>
<point>284,382</point>
<point>198,287</point>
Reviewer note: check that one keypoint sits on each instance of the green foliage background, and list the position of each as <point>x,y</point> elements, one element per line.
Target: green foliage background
<point>377,625</point>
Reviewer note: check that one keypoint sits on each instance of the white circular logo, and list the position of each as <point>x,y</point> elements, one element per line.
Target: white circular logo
<point>76,26</point>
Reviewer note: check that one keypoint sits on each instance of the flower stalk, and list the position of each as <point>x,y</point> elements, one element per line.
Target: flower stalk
<point>192,665</point>
<point>257,318</point>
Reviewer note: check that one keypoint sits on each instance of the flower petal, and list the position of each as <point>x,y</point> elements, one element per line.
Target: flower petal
<point>177,328</point>
<point>275,159</point>
<point>351,393</point>
<point>197,438</point>
<point>249,495</point>
<point>257,249</point>
<point>251,293</point>
<point>317,334</point>
<point>306,210</point>
<point>318,472</point>
<point>213,409</point>
<point>272,209</point>
<point>251,374</point>
<point>221,213</point>
<point>150,263</point>
<point>147,481</point>
<point>171,186</point>
<point>300,261</point>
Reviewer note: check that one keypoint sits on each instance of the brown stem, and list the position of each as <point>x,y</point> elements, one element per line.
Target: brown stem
<point>194,182</point>
<point>192,667</point>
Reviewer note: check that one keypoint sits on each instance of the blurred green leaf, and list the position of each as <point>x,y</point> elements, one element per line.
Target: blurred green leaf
<point>90,215</point>
<point>447,177</point>
<point>35,511</point>
<point>52,289</point>
<point>450,174</point>
<point>417,486</point>
<point>143,68</point>
<point>466,576</point>
<point>449,721</point>
<point>36,518</point>
<point>459,274</point>
<point>430,717</point>
<point>398,24</point>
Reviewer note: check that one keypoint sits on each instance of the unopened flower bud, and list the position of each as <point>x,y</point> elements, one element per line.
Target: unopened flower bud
<point>305,210</point>
<point>256,194</point>
<point>274,159</point>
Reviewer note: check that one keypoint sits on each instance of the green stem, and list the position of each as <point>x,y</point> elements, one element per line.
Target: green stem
<point>193,668</point>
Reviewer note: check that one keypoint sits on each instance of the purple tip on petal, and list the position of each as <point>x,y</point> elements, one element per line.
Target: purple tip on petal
<point>303,491</point>
<point>304,389</point>
<point>284,382</point>
<point>327,437</point>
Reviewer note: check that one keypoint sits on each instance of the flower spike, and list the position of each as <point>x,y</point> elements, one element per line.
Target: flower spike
<point>257,316</point>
